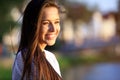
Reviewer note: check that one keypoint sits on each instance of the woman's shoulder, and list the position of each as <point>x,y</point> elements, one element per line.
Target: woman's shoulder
<point>19,59</point>
<point>18,56</point>
<point>17,66</point>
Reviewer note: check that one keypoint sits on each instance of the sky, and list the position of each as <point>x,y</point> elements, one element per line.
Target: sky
<point>103,5</point>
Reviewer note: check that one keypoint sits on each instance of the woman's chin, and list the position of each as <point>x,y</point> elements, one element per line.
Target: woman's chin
<point>51,43</point>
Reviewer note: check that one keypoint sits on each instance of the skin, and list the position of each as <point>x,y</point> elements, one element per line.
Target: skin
<point>50,27</point>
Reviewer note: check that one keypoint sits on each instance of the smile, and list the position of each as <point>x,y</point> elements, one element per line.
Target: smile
<point>50,36</point>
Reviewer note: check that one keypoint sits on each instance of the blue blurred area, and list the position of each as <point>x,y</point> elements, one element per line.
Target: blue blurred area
<point>99,71</point>
<point>90,44</point>
<point>104,71</point>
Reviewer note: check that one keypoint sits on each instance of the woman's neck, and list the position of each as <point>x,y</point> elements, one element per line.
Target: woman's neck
<point>42,47</point>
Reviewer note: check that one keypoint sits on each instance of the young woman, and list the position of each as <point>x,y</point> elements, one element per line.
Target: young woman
<point>40,27</point>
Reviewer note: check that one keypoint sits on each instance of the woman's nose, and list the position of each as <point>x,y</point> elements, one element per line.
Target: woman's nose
<point>51,27</point>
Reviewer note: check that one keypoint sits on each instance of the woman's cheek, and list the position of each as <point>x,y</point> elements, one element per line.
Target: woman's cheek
<point>58,28</point>
<point>44,29</point>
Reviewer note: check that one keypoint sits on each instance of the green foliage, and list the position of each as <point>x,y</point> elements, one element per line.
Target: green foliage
<point>69,61</point>
<point>5,73</point>
<point>5,20</point>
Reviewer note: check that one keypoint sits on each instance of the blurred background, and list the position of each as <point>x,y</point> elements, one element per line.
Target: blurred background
<point>88,47</point>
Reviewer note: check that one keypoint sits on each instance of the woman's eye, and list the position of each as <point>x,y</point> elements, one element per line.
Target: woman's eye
<point>57,22</point>
<point>44,23</point>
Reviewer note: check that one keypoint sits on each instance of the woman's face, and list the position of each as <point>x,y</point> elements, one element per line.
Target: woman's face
<point>50,26</point>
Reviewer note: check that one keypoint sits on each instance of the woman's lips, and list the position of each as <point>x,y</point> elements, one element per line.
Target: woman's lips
<point>50,36</point>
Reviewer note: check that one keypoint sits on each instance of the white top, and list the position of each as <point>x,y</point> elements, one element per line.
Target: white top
<point>18,65</point>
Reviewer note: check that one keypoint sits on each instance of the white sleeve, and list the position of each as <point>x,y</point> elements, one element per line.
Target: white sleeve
<point>17,67</point>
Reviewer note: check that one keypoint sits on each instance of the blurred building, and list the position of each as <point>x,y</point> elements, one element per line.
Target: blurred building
<point>89,29</point>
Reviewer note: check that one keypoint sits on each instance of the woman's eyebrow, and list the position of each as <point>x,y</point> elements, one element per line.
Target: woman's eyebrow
<point>50,20</point>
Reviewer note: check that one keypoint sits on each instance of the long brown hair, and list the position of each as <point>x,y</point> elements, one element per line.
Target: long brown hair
<point>36,67</point>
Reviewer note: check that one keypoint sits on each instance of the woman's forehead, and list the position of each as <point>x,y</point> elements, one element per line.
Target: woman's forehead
<point>50,13</point>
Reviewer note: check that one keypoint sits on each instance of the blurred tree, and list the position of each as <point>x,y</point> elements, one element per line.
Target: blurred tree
<point>77,11</point>
<point>5,18</point>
